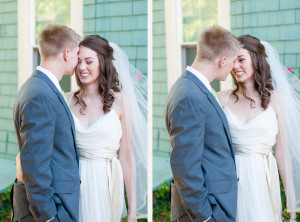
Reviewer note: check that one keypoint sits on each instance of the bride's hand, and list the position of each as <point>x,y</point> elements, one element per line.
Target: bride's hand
<point>292,216</point>
<point>130,219</point>
<point>19,169</point>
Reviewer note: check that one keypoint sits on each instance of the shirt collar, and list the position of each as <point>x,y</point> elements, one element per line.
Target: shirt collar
<point>50,76</point>
<point>200,76</point>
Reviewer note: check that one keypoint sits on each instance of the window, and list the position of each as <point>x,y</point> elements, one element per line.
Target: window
<point>196,16</point>
<point>48,11</point>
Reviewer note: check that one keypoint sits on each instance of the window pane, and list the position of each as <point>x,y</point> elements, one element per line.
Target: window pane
<point>47,11</point>
<point>197,15</point>
<point>190,55</point>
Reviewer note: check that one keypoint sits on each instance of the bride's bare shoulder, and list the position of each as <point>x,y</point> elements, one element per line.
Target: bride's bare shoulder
<point>69,95</point>
<point>118,98</point>
<point>222,96</point>
<point>276,100</point>
<point>121,103</point>
<point>121,99</point>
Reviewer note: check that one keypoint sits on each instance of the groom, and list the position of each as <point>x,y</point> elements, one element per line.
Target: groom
<point>202,159</point>
<point>45,133</point>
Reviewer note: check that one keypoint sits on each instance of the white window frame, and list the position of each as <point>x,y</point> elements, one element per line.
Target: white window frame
<point>26,22</point>
<point>26,36</point>
<point>224,21</point>
<point>174,32</point>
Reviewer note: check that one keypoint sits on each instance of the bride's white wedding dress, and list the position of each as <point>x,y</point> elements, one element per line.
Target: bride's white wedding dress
<point>102,186</point>
<point>258,185</point>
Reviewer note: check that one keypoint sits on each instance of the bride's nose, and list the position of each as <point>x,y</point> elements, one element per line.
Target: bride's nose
<point>236,65</point>
<point>81,65</point>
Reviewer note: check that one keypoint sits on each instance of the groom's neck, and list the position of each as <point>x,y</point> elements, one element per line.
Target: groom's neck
<point>206,68</point>
<point>54,67</point>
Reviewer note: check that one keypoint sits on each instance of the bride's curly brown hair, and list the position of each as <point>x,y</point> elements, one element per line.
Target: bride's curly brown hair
<point>262,73</point>
<point>108,80</point>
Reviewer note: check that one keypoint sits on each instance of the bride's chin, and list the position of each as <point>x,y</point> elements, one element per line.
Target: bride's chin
<point>84,80</point>
<point>239,78</point>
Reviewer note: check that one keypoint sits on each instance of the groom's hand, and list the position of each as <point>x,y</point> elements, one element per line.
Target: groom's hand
<point>19,169</point>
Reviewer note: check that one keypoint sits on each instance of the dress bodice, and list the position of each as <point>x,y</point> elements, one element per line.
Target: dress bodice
<point>260,131</point>
<point>102,136</point>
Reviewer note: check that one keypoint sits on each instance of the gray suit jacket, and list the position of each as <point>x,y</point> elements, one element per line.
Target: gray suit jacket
<point>49,158</point>
<point>202,158</point>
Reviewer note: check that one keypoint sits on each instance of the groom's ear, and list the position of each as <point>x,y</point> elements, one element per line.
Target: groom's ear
<point>222,61</point>
<point>66,54</point>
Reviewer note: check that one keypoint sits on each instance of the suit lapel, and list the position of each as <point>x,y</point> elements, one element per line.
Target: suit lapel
<point>213,101</point>
<point>224,120</point>
<point>41,75</point>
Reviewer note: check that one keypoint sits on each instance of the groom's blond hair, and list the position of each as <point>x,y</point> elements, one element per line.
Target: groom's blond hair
<point>55,38</point>
<point>215,42</point>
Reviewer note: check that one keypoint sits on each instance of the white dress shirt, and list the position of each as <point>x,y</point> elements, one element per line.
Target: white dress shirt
<point>200,76</point>
<point>205,81</point>
<point>50,76</point>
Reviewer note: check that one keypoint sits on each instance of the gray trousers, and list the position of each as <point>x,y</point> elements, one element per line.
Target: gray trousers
<point>28,218</point>
<point>184,218</point>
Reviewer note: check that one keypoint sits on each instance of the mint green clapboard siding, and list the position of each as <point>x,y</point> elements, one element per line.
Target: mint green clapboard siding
<point>123,22</point>
<point>275,21</point>
<point>161,140</point>
<point>8,76</point>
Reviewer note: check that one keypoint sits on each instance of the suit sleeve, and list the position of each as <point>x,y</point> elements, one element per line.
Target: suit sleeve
<point>187,130</point>
<point>37,129</point>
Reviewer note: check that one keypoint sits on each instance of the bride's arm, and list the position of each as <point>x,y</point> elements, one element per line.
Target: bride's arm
<point>126,155</point>
<point>282,155</point>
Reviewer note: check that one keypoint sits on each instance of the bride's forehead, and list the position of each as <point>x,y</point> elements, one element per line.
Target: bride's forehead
<point>86,52</point>
<point>243,51</point>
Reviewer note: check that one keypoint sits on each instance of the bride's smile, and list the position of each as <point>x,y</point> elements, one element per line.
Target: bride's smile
<point>239,74</point>
<point>84,75</point>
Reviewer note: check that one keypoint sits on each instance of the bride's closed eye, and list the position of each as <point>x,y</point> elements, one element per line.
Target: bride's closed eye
<point>87,62</point>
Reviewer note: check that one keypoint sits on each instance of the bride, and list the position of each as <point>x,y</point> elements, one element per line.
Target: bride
<point>109,111</point>
<point>262,111</point>
<point>103,117</point>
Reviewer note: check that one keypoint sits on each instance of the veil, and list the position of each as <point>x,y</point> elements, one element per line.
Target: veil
<point>287,102</point>
<point>133,86</point>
